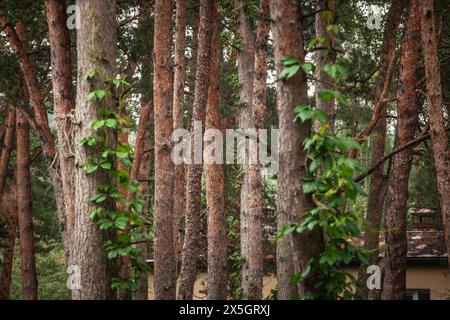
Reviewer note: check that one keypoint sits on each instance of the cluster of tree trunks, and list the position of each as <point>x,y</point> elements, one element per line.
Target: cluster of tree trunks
<point>177,198</point>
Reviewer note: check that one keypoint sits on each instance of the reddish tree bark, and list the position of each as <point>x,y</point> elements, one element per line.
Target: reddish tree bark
<point>251,224</point>
<point>26,231</point>
<point>188,272</point>
<point>144,157</point>
<point>217,224</point>
<point>9,207</point>
<point>377,180</point>
<point>395,217</point>
<point>439,137</point>
<point>164,254</point>
<point>7,148</point>
<point>64,102</point>
<point>178,121</point>
<point>295,251</point>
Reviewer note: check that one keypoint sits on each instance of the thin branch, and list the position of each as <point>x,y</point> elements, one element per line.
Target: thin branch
<point>402,148</point>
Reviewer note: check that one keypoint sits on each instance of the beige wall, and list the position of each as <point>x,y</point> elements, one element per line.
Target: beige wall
<point>418,277</point>
<point>434,278</point>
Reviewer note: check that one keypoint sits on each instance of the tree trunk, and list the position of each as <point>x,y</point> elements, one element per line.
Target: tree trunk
<point>253,96</point>
<point>7,148</point>
<point>9,206</point>
<point>217,223</point>
<point>252,259</point>
<point>323,57</point>
<point>144,157</point>
<point>190,252</point>
<point>396,213</point>
<point>439,136</point>
<point>294,251</point>
<point>178,122</point>
<point>377,179</point>
<point>26,231</point>
<point>164,254</point>
<point>96,47</point>
<point>64,102</point>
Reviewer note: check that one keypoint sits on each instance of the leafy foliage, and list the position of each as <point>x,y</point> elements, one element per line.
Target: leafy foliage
<point>127,224</point>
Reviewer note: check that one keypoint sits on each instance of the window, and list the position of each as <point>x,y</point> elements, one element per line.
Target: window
<point>418,294</point>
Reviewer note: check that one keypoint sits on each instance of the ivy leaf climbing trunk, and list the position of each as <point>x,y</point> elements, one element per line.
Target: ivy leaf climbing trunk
<point>96,47</point>
<point>326,17</point>
<point>294,251</point>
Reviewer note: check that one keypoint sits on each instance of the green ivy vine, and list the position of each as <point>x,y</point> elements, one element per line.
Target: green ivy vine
<point>126,224</point>
<point>329,182</point>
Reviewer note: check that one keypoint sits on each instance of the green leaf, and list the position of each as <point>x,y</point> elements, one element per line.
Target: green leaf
<point>331,70</point>
<point>304,113</point>
<point>98,124</point>
<point>121,222</point>
<point>326,95</point>
<point>289,72</point>
<point>320,115</point>
<point>106,165</point>
<point>100,94</point>
<point>91,167</point>
<point>112,123</point>
<point>308,67</point>
<point>105,224</point>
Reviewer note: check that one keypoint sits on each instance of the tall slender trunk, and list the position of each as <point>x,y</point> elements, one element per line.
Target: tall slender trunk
<point>252,259</point>
<point>396,212</point>
<point>7,148</point>
<point>251,238</point>
<point>9,206</point>
<point>295,251</point>
<point>164,253</point>
<point>144,157</point>
<point>64,102</point>
<point>26,231</point>
<point>323,57</point>
<point>178,121</point>
<point>96,47</point>
<point>377,179</point>
<point>217,223</point>
<point>190,252</point>
<point>439,135</point>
